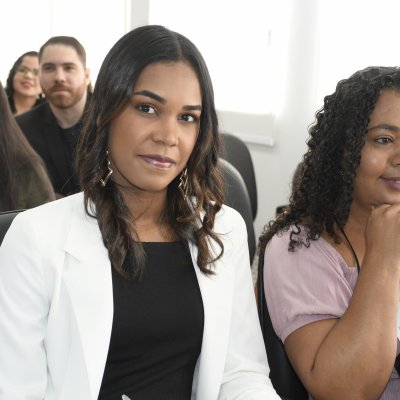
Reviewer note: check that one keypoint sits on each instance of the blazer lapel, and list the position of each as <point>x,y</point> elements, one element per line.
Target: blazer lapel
<point>89,284</point>
<point>216,292</point>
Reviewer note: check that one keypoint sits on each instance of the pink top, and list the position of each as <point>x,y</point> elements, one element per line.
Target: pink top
<point>310,284</point>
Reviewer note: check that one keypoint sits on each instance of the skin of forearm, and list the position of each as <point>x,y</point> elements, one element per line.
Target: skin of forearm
<point>356,358</point>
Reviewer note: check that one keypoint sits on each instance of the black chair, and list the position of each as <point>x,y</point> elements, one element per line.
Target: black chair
<point>282,374</point>
<point>6,218</point>
<point>237,197</point>
<point>238,154</point>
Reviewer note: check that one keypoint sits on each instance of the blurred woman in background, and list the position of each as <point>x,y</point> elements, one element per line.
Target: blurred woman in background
<point>23,180</point>
<point>22,88</point>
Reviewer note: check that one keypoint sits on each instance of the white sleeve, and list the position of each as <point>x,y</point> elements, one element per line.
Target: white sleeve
<point>246,368</point>
<point>24,307</point>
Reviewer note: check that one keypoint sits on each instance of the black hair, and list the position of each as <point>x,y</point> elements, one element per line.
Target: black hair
<point>322,196</point>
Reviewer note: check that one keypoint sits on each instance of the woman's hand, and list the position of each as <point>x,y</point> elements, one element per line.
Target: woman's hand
<point>382,236</point>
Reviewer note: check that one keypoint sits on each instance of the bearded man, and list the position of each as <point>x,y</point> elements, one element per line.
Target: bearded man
<point>53,127</point>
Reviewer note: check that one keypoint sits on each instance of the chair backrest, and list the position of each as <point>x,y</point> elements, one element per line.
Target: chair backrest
<point>6,218</point>
<point>238,154</point>
<point>282,374</point>
<point>237,197</point>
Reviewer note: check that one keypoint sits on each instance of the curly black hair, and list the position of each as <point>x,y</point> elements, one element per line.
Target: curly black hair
<point>321,198</point>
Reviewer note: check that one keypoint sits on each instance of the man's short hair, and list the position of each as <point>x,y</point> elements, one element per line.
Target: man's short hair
<point>67,41</point>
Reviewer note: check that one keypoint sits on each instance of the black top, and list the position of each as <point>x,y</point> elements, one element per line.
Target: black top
<point>70,137</point>
<point>157,328</point>
<point>43,133</point>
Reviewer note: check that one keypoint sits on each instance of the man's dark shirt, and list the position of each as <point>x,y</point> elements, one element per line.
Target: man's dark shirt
<point>55,146</point>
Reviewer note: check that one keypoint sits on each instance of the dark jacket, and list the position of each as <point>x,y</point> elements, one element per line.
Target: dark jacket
<point>43,133</point>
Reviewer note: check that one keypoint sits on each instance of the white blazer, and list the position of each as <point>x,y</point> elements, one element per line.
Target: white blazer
<point>56,311</point>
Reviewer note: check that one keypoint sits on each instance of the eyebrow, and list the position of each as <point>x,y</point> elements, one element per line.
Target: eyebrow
<point>161,99</point>
<point>387,127</point>
<point>27,67</point>
<point>65,64</point>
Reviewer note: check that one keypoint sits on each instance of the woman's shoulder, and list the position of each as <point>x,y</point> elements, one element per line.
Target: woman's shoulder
<point>229,218</point>
<point>306,255</point>
<point>284,235</point>
<point>53,215</point>
<point>54,225</point>
<point>229,212</point>
<point>279,245</point>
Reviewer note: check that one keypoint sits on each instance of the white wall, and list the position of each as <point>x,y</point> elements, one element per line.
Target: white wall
<point>275,165</point>
<point>27,24</point>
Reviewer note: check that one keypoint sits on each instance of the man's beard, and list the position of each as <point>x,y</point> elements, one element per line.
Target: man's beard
<point>63,101</point>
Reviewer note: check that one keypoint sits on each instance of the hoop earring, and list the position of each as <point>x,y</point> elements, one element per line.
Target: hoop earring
<point>103,182</point>
<point>184,184</point>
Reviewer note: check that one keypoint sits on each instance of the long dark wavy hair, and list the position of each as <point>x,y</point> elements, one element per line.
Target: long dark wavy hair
<point>322,195</point>
<point>10,81</point>
<point>192,220</point>
<point>16,153</point>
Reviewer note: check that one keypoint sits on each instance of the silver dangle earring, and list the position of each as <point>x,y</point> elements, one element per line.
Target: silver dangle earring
<point>103,182</point>
<point>184,183</point>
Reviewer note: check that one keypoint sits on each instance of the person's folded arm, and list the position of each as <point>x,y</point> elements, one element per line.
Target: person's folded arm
<point>352,357</point>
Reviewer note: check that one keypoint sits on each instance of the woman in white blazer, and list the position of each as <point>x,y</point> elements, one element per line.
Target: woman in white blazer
<point>139,287</point>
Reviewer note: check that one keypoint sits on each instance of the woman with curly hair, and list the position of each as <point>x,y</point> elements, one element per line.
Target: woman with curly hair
<point>140,287</point>
<point>22,87</point>
<point>332,260</point>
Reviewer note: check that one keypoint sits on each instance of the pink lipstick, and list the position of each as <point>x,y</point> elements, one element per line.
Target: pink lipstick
<point>158,161</point>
